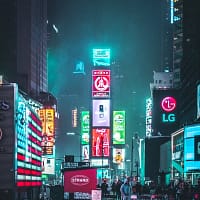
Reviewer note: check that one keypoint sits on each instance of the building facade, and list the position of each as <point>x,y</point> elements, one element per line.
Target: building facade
<point>23,44</point>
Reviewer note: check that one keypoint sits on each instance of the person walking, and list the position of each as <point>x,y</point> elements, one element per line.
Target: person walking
<point>104,188</point>
<point>125,190</point>
<point>118,192</point>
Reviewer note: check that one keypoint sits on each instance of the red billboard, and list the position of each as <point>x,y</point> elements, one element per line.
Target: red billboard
<point>101,83</point>
<point>101,142</point>
<point>82,180</point>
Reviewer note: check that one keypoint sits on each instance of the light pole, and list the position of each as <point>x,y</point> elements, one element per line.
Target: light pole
<point>132,156</point>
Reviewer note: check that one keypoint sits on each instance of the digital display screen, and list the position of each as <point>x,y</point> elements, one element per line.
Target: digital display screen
<point>118,127</point>
<point>101,57</point>
<point>85,152</point>
<point>198,101</point>
<point>191,148</point>
<point>165,118</point>
<point>48,165</point>
<point>29,151</point>
<point>47,117</point>
<point>101,83</point>
<point>85,127</point>
<point>118,155</point>
<point>148,117</point>
<point>101,113</point>
<point>101,142</point>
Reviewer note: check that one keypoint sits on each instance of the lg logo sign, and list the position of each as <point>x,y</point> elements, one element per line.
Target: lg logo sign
<point>168,104</point>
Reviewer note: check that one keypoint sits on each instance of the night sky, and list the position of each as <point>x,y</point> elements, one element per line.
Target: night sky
<point>130,28</point>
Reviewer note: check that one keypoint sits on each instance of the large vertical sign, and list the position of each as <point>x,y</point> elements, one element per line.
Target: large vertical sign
<point>29,151</point>
<point>148,117</point>
<point>101,113</point>
<point>118,127</point>
<point>100,142</point>
<point>8,94</point>
<point>85,127</point>
<point>101,57</point>
<point>47,116</point>
<point>101,83</point>
<point>198,101</point>
<point>165,119</point>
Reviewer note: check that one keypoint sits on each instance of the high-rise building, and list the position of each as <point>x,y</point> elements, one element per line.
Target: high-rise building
<point>166,38</point>
<point>190,66</point>
<point>23,44</point>
<point>176,19</point>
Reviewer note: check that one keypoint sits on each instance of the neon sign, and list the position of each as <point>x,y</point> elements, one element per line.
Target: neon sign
<point>168,104</point>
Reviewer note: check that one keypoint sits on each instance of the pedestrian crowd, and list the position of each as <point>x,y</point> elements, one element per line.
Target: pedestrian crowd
<point>128,189</point>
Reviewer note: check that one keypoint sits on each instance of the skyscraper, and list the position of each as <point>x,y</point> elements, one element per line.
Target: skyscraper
<point>24,44</point>
<point>190,66</point>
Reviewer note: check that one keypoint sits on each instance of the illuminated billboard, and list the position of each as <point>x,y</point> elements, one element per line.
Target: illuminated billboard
<point>177,148</point>
<point>28,151</point>
<point>48,165</point>
<point>165,118</point>
<point>198,101</point>
<point>85,127</point>
<point>191,148</point>
<point>148,117</point>
<point>85,152</point>
<point>100,142</point>
<point>80,180</point>
<point>118,127</point>
<point>47,117</point>
<point>101,57</point>
<point>101,83</point>
<point>101,113</point>
<point>118,156</point>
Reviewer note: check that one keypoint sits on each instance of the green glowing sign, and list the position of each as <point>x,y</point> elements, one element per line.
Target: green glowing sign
<point>118,127</point>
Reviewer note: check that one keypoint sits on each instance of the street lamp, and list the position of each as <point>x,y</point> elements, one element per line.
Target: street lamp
<point>76,134</point>
<point>132,156</point>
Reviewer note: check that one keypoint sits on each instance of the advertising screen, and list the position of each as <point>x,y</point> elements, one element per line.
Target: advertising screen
<point>118,127</point>
<point>29,152</point>
<point>101,113</point>
<point>99,162</point>
<point>191,148</point>
<point>101,57</point>
<point>85,127</point>
<point>118,155</point>
<point>82,180</point>
<point>101,142</point>
<point>48,165</point>
<point>198,101</point>
<point>47,116</point>
<point>101,83</point>
<point>165,118</point>
<point>85,152</point>
<point>148,117</point>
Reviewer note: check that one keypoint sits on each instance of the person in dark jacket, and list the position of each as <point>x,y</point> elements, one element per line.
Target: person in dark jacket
<point>104,188</point>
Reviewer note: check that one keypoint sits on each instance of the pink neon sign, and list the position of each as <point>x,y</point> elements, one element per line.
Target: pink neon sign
<point>168,104</point>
